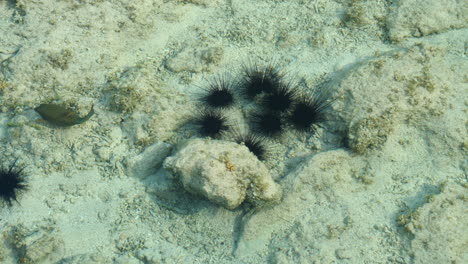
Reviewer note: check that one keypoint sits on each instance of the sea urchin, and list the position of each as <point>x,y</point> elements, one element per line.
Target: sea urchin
<point>257,79</point>
<point>255,143</point>
<point>211,123</point>
<point>280,99</point>
<point>12,182</point>
<point>218,94</point>
<point>267,124</point>
<point>309,111</point>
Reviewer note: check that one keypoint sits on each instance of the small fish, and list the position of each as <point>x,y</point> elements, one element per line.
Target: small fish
<point>61,116</point>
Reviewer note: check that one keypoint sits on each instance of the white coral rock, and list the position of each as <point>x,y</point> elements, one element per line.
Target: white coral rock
<point>225,173</point>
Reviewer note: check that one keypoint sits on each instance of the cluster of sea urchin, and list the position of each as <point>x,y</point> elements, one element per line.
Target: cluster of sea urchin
<point>281,105</point>
<point>219,96</point>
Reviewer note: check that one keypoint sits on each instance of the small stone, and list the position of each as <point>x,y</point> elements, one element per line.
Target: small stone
<point>148,162</point>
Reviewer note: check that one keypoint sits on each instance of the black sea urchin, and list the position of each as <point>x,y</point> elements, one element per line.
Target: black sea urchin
<point>280,99</point>
<point>211,123</point>
<point>267,124</point>
<point>309,111</point>
<point>255,143</point>
<point>218,94</point>
<point>12,182</point>
<point>257,79</point>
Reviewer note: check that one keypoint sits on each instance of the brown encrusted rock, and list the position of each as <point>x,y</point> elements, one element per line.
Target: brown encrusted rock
<point>226,173</point>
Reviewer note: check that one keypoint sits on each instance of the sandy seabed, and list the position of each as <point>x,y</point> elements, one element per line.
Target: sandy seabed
<point>385,181</point>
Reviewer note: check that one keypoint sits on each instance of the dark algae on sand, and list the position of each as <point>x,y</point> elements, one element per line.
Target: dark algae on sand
<point>60,116</point>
